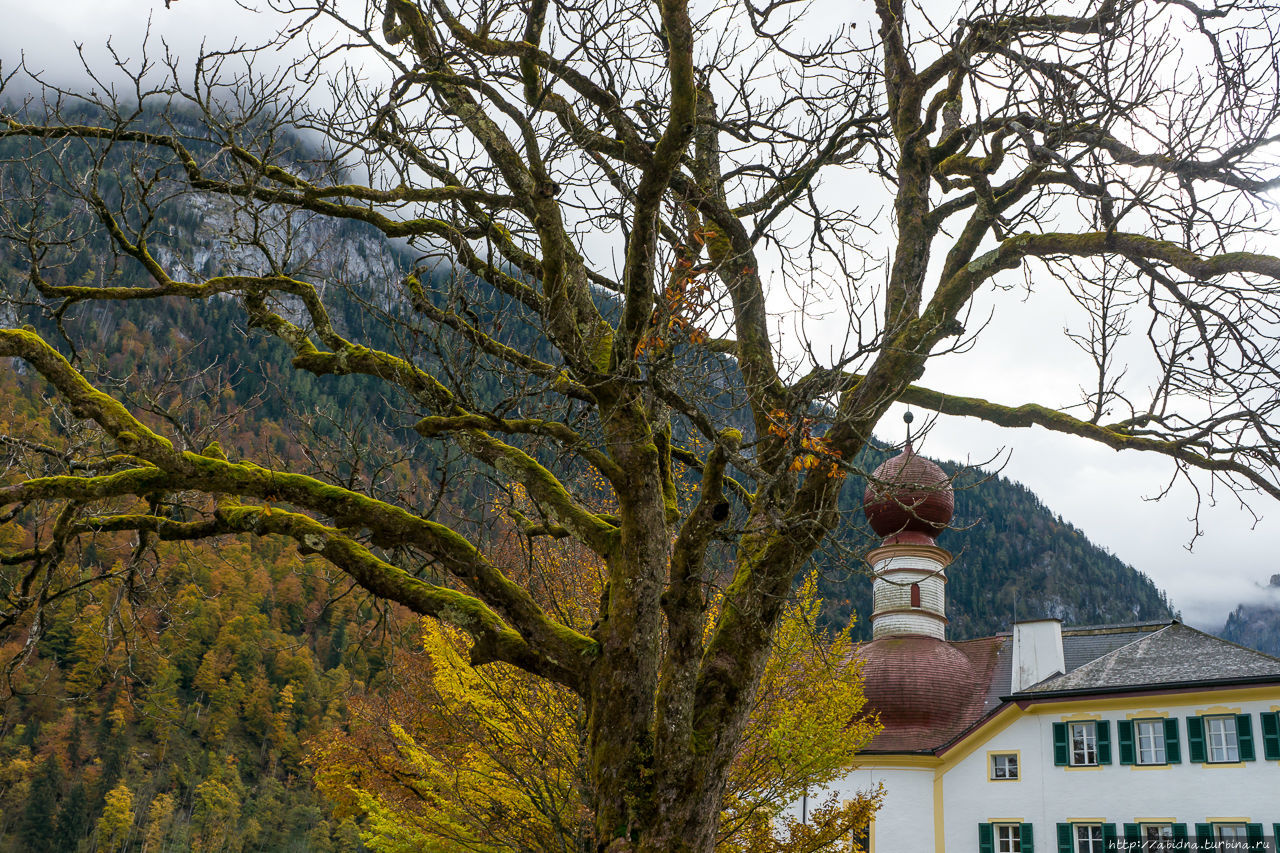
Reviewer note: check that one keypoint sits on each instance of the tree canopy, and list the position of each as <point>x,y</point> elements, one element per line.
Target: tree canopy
<point>488,759</point>
<point>605,207</point>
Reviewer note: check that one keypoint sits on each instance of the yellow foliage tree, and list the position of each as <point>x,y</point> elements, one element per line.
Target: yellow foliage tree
<point>159,822</point>
<point>116,823</point>
<point>490,759</point>
<point>216,813</point>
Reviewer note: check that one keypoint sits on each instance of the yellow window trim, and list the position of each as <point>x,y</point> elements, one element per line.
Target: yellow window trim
<point>1016,753</point>
<point>1208,763</point>
<point>1147,715</point>
<point>1082,766</point>
<point>1218,711</point>
<point>1082,717</point>
<point>1075,820</point>
<point>1136,766</point>
<point>1153,821</point>
<point>1217,820</point>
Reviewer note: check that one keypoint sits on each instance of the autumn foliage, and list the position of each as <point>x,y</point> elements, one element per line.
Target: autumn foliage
<point>490,759</point>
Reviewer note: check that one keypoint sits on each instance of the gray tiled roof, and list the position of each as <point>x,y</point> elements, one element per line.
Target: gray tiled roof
<point>1080,645</point>
<point>1173,654</point>
<point>1084,644</point>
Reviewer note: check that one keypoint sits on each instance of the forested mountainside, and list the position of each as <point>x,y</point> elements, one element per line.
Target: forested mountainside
<point>179,716</point>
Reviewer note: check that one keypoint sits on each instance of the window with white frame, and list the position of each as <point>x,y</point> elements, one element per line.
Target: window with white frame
<point>1004,765</point>
<point>1221,738</point>
<point>1084,744</point>
<point>1230,831</point>
<point>1008,838</point>
<point>1157,836</point>
<point>1089,838</point>
<point>1150,737</point>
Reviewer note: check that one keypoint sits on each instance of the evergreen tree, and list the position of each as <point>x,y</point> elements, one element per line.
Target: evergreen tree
<point>36,829</point>
<point>73,818</point>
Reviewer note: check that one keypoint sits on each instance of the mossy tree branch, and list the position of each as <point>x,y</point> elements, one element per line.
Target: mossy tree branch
<point>389,525</point>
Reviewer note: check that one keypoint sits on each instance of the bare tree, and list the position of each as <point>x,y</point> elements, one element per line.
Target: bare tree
<point>642,187</point>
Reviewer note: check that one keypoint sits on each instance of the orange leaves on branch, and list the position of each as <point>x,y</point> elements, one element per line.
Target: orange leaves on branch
<point>779,423</point>
<point>683,301</point>
<point>815,452</point>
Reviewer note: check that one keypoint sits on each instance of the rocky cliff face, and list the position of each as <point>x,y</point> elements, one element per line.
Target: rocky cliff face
<point>1256,624</point>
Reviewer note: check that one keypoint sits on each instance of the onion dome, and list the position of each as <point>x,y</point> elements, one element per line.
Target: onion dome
<point>909,499</point>
<point>917,683</point>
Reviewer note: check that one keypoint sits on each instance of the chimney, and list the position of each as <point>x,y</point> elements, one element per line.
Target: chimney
<point>1037,652</point>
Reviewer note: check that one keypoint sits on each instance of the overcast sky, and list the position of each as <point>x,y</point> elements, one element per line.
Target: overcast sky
<point>1099,490</point>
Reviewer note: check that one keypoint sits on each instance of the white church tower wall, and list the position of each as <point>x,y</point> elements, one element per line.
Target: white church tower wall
<point>909,592</point>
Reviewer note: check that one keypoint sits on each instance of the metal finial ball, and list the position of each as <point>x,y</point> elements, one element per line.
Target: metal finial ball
<point>908,418</point>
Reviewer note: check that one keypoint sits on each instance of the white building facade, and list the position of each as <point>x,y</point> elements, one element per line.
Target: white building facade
<point>999,789</point>
<point>1078,740</point>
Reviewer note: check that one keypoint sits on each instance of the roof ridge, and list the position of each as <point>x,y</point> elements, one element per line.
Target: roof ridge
<point>1129,659</point>
<point>1249,649</point>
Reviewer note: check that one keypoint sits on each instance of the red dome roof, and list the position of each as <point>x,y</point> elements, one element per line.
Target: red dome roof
<point>908,495</point>
<point>918,683</point>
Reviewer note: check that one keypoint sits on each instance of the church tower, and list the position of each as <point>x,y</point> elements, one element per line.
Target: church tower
<point>909,501</point>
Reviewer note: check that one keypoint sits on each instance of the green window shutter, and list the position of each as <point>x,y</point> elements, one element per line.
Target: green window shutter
<point>1172,751</point>
<point>1124,733</point>
<point>1204,835</point>
<point>986,839</point>
<point>1104,741</point>
<point>1275,832</point>
<point>1109,837</point>
<point>1271,736</point>
<point>1179,832</point>
<point>1132,832</point>
<point>1195,740</point>
<point>1254,833</point>
<point>1244,735</point>
<point>1066,844</point>
<point>1060,754</point>
<point>1026,838</point>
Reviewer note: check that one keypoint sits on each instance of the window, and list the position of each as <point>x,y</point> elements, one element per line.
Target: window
<point>1154,742</point>
<point>1008,838</point>
<point>1089,838</point>
<point>1220,732</point>
<point>1004,765</point>
<point>1230,836</point>
<point>1229,831</point>
<point>860,839</point>
<point>996,837</point>
<point>1221,738</point>
<point>1084,744</point>
<point>1157,836</point>
<point>1150,736</point>
<point>915,595</point>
